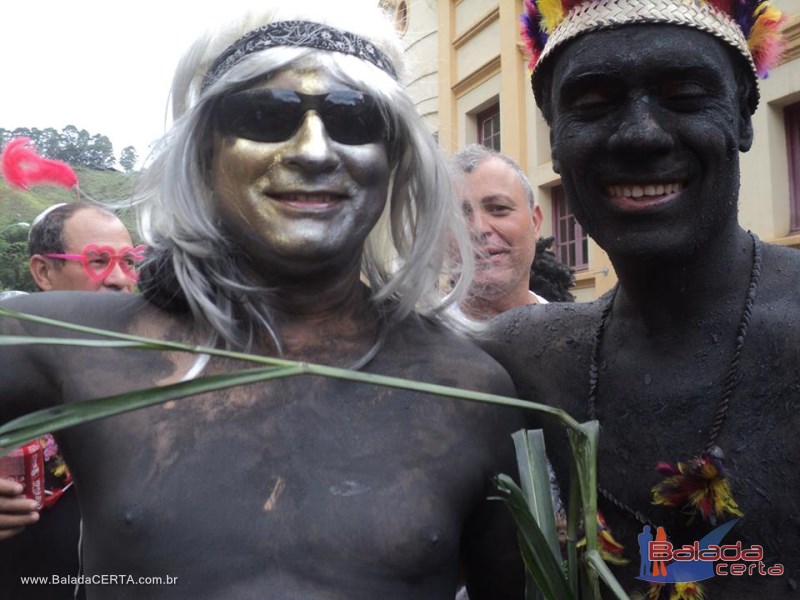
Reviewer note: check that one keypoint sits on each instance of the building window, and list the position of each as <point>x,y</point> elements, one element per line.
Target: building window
<point>792,120</point>
<point>489,127</point>
<point>572,244</point>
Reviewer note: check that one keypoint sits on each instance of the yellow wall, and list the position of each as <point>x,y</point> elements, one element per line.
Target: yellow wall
<point>480,60</point>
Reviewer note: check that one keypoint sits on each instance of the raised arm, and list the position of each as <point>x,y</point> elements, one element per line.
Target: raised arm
<point>26,377</point>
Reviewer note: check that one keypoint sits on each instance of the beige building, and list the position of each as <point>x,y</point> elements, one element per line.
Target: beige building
<point>468,75</point>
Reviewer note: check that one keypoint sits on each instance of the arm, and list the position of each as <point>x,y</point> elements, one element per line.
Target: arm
<point>25,384</point>
<point>30,375</point>
<point>21,383</point>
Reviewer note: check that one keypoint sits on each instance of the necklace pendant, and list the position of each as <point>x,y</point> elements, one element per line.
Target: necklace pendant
<point>698,486</point>
<point>610,549</point>
<point>676,591</point>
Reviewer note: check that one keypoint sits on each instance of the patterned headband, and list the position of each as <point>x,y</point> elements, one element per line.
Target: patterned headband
<point>751,27</point>
<point>297,33</point>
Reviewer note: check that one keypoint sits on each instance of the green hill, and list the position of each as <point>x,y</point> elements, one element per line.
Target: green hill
<point>23,205</point>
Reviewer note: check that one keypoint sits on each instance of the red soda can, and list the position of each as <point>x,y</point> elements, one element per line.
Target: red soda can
<point>26,466</point>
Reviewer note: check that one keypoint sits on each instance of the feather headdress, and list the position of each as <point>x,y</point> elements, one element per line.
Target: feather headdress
<point>751,27</point>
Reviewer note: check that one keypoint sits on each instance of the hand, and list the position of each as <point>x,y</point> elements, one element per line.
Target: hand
<point>16,511</point>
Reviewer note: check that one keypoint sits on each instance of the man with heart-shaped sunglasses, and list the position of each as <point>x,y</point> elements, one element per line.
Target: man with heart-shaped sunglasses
<point>73,247</point>
<point>82,247</point>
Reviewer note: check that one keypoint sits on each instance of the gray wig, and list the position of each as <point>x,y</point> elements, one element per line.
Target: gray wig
<point>406,252</point>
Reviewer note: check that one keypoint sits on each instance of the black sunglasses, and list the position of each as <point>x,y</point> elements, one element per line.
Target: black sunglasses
<point>274,115</point>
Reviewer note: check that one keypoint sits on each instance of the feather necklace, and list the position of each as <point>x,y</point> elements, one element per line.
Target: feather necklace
<point>699,485</point>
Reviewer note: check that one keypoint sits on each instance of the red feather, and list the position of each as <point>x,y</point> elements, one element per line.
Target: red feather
<point>568,5</point>
<point>725,6</point>
<point>666,469</point>
<point>23,167</point>
<point>698,484</point>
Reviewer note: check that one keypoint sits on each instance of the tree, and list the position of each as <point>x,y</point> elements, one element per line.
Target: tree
<point>99,153</point>
<point>71,145</point>
<point>128,158</point>
<point>68,150</point>
<point>14,274</point>
<point>48,142</point>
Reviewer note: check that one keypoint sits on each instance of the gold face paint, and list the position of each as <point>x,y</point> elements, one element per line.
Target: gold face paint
<point>306,202</point>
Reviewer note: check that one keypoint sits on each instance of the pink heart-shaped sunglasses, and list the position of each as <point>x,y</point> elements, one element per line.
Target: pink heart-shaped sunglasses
<point>99,261</point>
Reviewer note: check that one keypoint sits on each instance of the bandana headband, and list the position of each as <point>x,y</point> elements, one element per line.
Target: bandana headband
<point>751,27</point>
<point>297,33</point>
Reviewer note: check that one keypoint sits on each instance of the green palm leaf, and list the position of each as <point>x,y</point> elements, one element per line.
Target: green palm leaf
<point>536,529</point>
<point>540,563</point>
<point>36,424</point>
<point>54,419</point>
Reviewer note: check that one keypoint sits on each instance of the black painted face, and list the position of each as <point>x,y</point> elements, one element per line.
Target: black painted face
<point>646,129</point>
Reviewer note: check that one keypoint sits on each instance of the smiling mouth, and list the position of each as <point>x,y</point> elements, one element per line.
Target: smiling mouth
<point>310,201</point>
<point>489,256</point>
<point>646,197</point>
<point>650,190</point>
<point>489,251</point>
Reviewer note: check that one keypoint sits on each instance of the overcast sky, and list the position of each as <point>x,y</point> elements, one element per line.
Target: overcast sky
<point>103,66</point>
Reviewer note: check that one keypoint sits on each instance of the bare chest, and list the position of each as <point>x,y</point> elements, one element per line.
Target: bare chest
<point>299,477</point>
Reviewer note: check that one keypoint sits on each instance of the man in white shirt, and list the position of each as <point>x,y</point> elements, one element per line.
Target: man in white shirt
<point>504,219</point>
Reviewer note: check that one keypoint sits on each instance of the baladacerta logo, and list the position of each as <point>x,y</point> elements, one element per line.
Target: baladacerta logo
<point>705,558</point>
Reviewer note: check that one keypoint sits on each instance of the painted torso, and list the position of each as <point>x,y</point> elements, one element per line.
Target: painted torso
<point>300,488</point>
<point>656,400</point>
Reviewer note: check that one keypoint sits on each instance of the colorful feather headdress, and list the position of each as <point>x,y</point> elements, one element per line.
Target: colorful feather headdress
<point>751,27</point>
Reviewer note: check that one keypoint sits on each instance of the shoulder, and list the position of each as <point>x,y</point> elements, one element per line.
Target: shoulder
<point>527,333</point>
<point>777,304</point>
<point>72,307</point>
<point>784,254</point>
<point>112,311</point>
<point>424,351</point>
<point>11,294</point>
<point>780,273</point>
<point>783,258</point>
<point>545,349</point>
<point>441,355</point>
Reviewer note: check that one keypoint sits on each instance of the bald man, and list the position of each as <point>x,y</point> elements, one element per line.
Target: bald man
<point>73,247</point>
<point>58,245</point>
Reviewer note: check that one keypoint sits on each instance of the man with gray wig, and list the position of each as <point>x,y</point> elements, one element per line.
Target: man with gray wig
<point>297,169</point>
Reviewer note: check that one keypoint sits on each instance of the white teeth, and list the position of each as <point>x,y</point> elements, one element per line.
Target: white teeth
<point>639,191</point>
<point>315,198</point>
